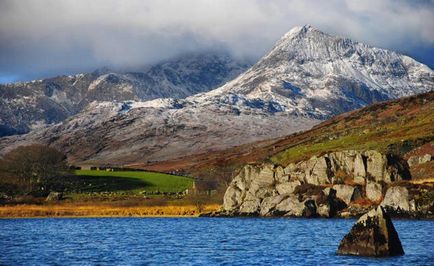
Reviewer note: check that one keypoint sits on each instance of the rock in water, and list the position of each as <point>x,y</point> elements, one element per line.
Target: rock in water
<point>372,235</point>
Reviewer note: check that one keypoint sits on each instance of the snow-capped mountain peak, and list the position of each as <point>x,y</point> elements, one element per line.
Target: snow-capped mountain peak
<point>313,73</point>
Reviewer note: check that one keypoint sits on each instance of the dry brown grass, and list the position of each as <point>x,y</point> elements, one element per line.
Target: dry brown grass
<point>73,210</point>
<point>427,181</point>
<point>364,202</point>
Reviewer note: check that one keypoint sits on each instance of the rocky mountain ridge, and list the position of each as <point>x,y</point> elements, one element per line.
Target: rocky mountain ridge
<point>30,105</point>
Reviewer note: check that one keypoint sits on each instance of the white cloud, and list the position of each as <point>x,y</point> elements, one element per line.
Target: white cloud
<point>51,36</point>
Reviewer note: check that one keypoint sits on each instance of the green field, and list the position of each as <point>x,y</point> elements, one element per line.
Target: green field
<point>131,181</point>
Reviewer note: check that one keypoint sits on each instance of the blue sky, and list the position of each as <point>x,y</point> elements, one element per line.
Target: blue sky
<point>43,38</point>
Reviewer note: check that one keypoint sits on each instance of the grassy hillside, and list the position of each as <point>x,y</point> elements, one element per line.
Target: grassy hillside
<point>393,127</point>
<point>133,181</point>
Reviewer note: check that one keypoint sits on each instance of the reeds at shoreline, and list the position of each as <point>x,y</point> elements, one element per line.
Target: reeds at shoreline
<point>72,210</point>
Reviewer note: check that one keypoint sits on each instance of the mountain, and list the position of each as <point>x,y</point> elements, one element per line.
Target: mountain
<point>311,73</point>
<point>29,105</point>
<point>307,77</point>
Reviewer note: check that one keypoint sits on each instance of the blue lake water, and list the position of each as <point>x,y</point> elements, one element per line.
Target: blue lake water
<point>196,241</point>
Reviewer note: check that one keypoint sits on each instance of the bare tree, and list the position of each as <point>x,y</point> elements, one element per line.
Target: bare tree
<point>37,165</point>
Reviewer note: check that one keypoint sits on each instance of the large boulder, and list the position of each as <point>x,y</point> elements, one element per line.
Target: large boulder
<point>250,205</point>
<point>252,184</point>
<point>317,171</point>
<point>372,235</point>
<point>396,198</point>
<point>290,206</point>
<point>377,165</point>
<point>355,165</point>
<point>288,187</point>
<point>359,167</point>
<point>269,203</point>
<point>344,192</point>
<point>232,198</point>
<point>279,175</point>
<point>374,191</point>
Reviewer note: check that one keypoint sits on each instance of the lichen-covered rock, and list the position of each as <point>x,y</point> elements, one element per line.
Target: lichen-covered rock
<point>359,166</point>
<point>372,235</point>
<point>396,198</point>
<point>252,190</point>
<point>232,198</point>
<point>288,187</point>
<point>269,203</point>
<point>279,175</point>
<point>289,169</point>
<point>376,166</point>
<point>344,192</point>
<point>250,205</point>
<point>356,165</point>
<point>317,171</point>
<point>290,206</point>
<point>374,191</point>
<point>266,174</point>
<point>252,184</point>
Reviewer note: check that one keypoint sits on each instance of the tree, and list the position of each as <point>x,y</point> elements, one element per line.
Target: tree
<point>37,165</point>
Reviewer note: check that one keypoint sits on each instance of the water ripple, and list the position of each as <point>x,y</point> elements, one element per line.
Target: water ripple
<point>196,241</point>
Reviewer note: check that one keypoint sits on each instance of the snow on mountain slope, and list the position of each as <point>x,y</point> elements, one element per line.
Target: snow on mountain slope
<point>161,129</point>
<point>26,105</point>
<point>315,74</point>
<point>307,77</point>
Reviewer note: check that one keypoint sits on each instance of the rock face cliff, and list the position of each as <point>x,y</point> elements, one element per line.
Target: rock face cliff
<point>327,185</point>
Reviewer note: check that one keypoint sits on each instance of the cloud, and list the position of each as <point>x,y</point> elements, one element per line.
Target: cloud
<point>39,38</point>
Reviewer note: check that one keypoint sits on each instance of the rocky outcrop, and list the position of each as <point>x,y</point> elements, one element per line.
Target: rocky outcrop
<point>372,235</point>
<point>356,165</point>
<point>373,191</point>
<point>397,198</point>
<point>344,192</point>
<point>334,184</point>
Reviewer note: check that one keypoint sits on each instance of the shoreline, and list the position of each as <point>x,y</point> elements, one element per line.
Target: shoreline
<point>185,211</point>
<point>101,211</point>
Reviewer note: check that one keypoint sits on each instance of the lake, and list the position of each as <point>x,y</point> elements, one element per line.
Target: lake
<point>196,241</point>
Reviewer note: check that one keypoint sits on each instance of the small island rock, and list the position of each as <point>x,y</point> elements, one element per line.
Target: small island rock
<point>372,235</point>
